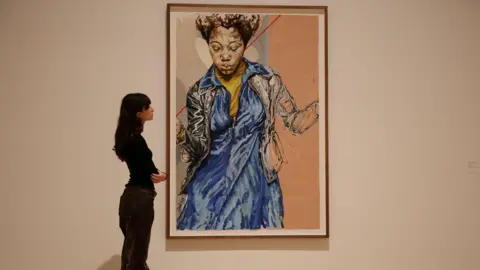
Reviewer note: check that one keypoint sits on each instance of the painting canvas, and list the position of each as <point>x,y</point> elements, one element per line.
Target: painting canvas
<point>247,121</point>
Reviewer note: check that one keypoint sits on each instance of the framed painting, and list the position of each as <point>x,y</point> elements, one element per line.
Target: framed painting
<point>247,121</point>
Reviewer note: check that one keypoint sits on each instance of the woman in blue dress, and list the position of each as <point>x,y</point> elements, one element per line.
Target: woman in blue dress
<point>230,143</point>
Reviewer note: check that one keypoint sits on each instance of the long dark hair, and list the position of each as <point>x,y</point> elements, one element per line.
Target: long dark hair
<point>128,122</point>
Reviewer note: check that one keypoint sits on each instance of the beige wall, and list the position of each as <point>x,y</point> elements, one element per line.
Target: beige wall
<point>404,111</point>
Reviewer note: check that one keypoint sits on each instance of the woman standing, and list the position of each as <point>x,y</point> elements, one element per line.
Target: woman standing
<point>230,141</point>
<point>136,203</point>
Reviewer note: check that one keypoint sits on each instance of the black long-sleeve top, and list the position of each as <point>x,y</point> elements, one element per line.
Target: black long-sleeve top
<point>139,161</point>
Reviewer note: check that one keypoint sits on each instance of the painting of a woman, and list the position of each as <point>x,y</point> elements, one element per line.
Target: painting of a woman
<point>229,141</point>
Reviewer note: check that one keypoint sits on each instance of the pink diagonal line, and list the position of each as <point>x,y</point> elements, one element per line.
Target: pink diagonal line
<point>248,46</point>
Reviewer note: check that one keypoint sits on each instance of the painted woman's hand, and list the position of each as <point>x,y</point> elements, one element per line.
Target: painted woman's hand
<point>178,126</point>
<point>180,131</point>
<point>314,108</point>
<point>157,178</point>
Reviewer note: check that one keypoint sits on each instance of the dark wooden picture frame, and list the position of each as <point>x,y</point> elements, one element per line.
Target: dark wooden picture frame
<point>172,187</point>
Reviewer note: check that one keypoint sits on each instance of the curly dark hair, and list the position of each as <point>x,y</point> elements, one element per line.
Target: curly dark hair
<point>246,24</point>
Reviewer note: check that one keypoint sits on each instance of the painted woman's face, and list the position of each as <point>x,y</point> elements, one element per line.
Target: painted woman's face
<point>226,48</point>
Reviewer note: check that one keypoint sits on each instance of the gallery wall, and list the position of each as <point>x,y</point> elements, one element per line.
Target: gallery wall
<point>403,129</point>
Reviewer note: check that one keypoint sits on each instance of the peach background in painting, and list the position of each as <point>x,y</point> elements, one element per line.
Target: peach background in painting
<point>294,54</point>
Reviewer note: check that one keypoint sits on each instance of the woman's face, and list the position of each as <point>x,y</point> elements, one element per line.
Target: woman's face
<point>146,114</point>
<point>226,48</point>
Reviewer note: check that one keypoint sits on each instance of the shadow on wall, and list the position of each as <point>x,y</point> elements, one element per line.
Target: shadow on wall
<point>114,263</point>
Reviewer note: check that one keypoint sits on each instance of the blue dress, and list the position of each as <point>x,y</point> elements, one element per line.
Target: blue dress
<point>229,190</point>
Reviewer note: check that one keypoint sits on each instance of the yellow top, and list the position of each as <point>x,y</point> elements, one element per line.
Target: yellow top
<point>233,86</point>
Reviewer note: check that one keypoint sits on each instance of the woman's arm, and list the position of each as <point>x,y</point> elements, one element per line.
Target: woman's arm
<point>192,140</point>
<point>297,121</point>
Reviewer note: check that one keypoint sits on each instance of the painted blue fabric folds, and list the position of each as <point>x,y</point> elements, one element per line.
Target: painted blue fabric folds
<point>229,190</point>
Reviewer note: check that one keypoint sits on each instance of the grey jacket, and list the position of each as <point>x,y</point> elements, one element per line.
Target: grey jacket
<point>266,82</point>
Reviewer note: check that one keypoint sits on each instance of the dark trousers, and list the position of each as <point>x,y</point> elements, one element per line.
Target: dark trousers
<point>136,215</point>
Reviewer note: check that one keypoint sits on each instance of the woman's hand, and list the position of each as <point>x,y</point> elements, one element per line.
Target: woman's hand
<point>157,178</point>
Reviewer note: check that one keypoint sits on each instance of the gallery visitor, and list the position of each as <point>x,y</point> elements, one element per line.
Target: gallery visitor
<point>136,209</point>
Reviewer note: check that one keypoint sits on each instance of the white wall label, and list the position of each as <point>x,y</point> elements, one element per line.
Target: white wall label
<point>473,167</point>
